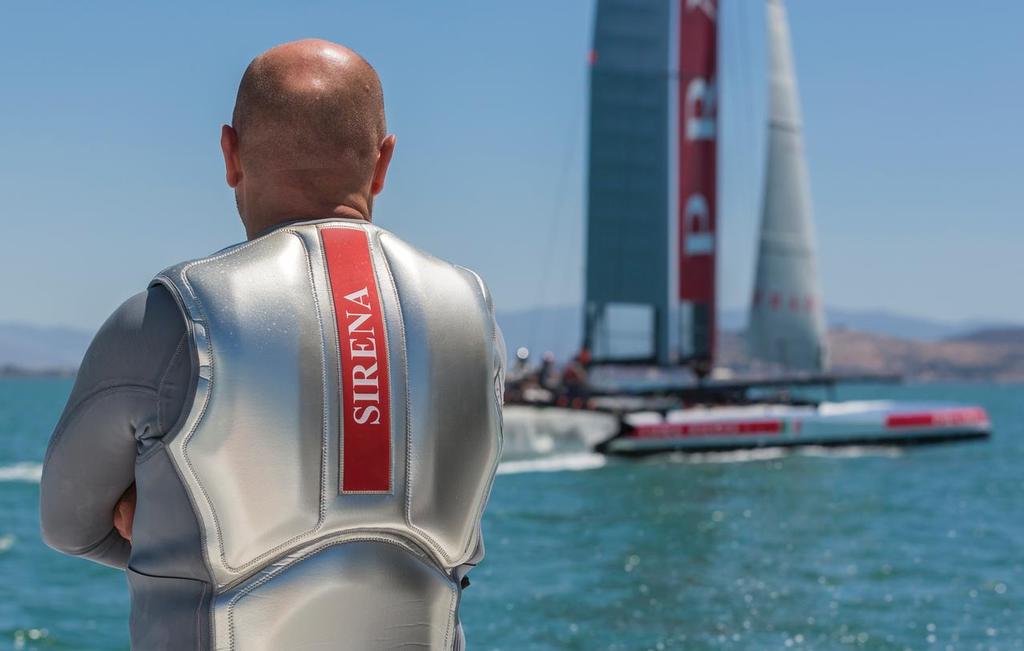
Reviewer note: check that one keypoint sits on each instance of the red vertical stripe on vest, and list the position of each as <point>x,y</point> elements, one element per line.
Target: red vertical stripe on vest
<point>365,390</point>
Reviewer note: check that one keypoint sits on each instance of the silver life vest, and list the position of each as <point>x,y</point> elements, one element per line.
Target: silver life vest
<point>342,440</point>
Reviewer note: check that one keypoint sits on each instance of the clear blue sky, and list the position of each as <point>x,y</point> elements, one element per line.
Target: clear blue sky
<point>110,168</point>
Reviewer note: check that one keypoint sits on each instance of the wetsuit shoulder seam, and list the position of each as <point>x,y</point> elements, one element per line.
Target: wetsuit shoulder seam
<point>163,380</point>
<point>87,399</point>
<point>98,393</point>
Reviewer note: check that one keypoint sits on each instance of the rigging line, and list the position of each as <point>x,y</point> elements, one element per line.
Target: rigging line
<point>543,283</point>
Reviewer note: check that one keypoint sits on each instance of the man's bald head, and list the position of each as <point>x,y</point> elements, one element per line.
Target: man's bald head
<point>309,104</point>
<point>307,137</point>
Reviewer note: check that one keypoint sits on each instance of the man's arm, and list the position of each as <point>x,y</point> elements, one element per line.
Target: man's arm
<point>129,392</point>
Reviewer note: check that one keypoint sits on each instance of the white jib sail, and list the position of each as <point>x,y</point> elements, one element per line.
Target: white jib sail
<point>787,323</point>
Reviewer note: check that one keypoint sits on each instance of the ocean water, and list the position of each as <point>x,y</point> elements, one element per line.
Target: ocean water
<point>857,548</point>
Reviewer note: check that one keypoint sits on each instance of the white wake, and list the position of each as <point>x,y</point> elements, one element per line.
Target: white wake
<point>769,454</point>
<point>851,451</point>
<point>557,463</point>
<point>26,471</point>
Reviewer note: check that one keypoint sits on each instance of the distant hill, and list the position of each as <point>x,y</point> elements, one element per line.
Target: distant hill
<point>863,342</point>
<point>984,355</point>
<point>1000,336</point>
<point>879,322</point>
<point>558,329</point>
<point>36,348</point>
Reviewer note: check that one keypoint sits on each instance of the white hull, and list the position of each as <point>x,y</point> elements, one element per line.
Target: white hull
<point>719,428</point>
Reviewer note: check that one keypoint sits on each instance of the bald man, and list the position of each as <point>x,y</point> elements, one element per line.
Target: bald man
<point>289,444</point>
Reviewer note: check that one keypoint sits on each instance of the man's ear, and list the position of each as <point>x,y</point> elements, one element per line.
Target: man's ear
<point>380,171</point>
<point>232,163</point>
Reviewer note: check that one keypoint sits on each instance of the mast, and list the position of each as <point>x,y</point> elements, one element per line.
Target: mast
<point>787,322</point>
<point>651,223</point>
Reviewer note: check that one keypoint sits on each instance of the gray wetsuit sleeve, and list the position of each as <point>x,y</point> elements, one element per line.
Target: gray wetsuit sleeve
<point>129,392</point>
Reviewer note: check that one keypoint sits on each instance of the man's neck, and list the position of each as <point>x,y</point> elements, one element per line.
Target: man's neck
<point>274,198</point>
<point>260,224</point>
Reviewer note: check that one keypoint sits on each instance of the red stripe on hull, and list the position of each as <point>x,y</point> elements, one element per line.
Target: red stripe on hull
<point>365,388</point>
<point>727,428</point>
<point>938,418</point>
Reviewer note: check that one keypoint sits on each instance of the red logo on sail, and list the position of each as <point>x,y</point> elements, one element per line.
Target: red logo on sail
<point>365,389</point>
<point>698,102</point>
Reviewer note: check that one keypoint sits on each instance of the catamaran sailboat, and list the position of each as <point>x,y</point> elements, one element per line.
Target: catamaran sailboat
<point>652,244</point>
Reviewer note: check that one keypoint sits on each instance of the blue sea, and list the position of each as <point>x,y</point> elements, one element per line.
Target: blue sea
<point>859,548</point>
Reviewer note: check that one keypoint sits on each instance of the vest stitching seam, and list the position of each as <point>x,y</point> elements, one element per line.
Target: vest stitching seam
<point>449,561</point>
<point>469,548</point>
<point>189,305</point>
<point>452,612</point>
<point>384,323</point>
<point>339,372</point>
<point>197,305</point>
<point>306,556</point>
<point>195,308</point>
<point>325,436</point>
<point>499,378</point>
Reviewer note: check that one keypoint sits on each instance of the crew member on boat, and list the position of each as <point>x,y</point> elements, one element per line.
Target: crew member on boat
<point>289,444</point>
<point>575,378</point>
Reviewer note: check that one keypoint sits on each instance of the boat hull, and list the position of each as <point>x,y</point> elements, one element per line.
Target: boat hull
<point>714,429</point>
